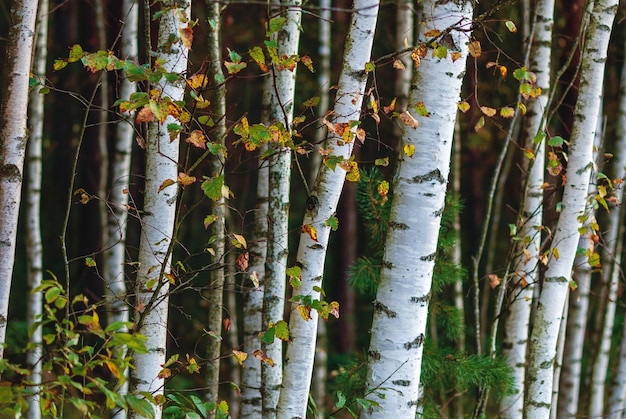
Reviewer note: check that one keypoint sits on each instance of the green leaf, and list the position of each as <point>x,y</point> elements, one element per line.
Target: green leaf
<point>268,336</point>
<point>234,57</point>
<point>206,120</point>
<point>341,400</point>
<point>212,187</point>
<point>76,53</point>
<point>140,406</point>
<point>52,294</point>
<point>369,67</point>
<point>90,262</point>
<point>314,101</point>
<point>556,141</point>
<point>333,223</point>
<point>282,330</point>
<point>274,25</point>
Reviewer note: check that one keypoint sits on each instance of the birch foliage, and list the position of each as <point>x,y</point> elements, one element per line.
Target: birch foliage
<point>401,305</point>
<point>13,110</point>
<point>565,240</point>
<point>321,206</point>
<point>159,216</point>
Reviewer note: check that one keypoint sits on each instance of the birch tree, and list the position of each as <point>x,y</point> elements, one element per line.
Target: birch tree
<point>216,291</point>
<point>617,393</point>
<point>401,305</point>
<point>34,246</point>
<point>580,162</point>
<point>321,207</point>
<point>159,210</point>
<point>281,113</point>
<point>13,111</point>
<point>527,263</point>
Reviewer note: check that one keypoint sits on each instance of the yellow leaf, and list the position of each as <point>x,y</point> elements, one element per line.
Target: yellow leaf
<point>165,184</point>
<point>463,106</point>
<point>310,230</point>
<point>239,241</point>
<point>398,65</point>
<point>479,124</point>
<point>305,312</point>
<point>507,112</point>
<point>455,56</point>
<point>262,356</point>
<point>197,139</point>
<point>197,81</point>
<point>488,111</point>
<point>240,356</point>
<point>503,71</point>
<point>432,33</point>
<point>186,180</point>
<point>383,188</point>
<point>409,150</point>
<point>354,174</point>
<point>475,49</point>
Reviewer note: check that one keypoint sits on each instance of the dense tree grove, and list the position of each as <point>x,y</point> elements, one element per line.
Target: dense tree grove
<point>291,209</point>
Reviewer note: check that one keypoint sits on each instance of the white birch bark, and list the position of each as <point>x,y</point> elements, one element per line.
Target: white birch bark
<point>114,259</point>
<point>158,219</point>
<point>280,111</point>
<point>13,110</point>
<point>617,397</point>
<point>216,275</point>
<point>34,246</point>
<point>611,273</point>
<point>527,264</point>
<point>579,306</point>
<point>565,241</point>
<point>320,367</point>
<point>401,305</point>
<point>558,363</point>
<point>252,399</point>
<point>117,216</point>
<point>322,205</point>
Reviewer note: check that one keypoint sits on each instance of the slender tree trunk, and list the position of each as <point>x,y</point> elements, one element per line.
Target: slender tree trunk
<point>216,275</point>
<point>617,395</point>
<point>527,263</point>
<point>580,161</point>
<point>401,305</point>
<point>281,112</point>
<point>558,363</point>
<point>320,368</point>
<point>115,249</point>
<point>251,400</point>
<point>578,315</point>
<point>13,111</point>
<point>103,146</point>
<point>158,218</point>
<point>34,246</point>
<point>611,273</point>
<point>321,206</point>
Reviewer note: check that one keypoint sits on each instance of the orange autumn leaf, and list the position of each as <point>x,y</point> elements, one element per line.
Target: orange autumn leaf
<point>144,115</point>
<point>165,184</point>
<point>197,139</point>
<point>310,230</point>
<point>186,35</point>
<point>186,180</point>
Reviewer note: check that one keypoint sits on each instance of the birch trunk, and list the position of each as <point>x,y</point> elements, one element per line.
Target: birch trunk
<point>13,111</point>
<point>578,305</point>
<point>565,241</point>
<point>320,367</point>
<point>216,275</point>
<point>558,363</point>
<point>34,246</point>
<point>114,253</point>
<point>322,204</point>
<point>158,219</point>
<point>611,273</point>
<point>251,397</point>
<point>527,263</point>
<point>401,305</point>
<point>617,395</point>
<point>280,111</point>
